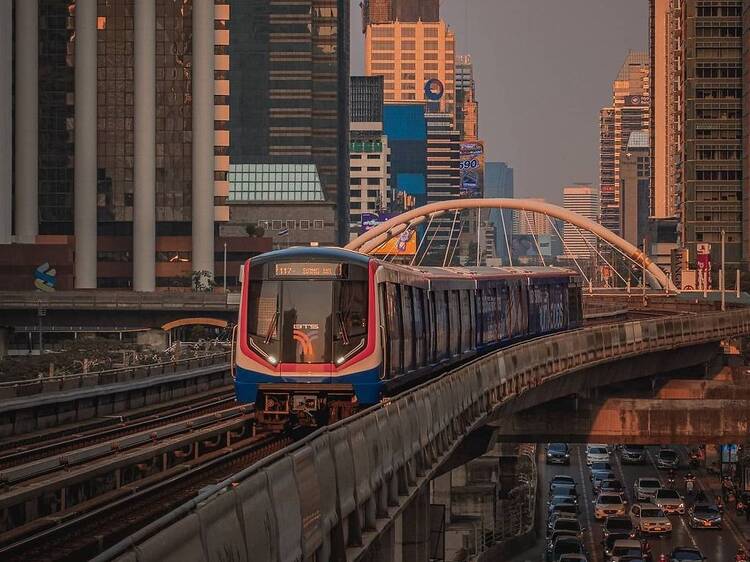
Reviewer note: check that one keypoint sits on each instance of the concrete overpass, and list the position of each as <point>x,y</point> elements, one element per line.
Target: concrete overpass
<point>359,490</point>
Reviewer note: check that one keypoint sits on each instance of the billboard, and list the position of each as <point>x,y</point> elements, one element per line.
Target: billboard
<point>472,169</point>
<point>635,101</point>
<point>703,259</point>
<point>405,244</point>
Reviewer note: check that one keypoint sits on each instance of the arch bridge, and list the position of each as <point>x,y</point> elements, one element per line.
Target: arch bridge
<point>376,237</point>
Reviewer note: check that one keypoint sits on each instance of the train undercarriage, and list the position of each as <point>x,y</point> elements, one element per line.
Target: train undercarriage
<point>285,405</point>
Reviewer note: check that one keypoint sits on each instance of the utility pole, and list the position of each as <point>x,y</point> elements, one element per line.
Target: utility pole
<point>643,271</point>
<point>225,267</point>
<point>722,274</point>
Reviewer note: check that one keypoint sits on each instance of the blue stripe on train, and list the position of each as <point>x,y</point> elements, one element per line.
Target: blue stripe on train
<point>367,385</point>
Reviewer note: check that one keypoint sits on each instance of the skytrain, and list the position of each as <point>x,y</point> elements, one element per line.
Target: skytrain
<point>323,332</point>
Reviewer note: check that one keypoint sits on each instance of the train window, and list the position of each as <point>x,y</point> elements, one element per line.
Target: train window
<point>263,316</point>
<point>393,310</point>
<point>350,308</point>
<point>407,311</point>
<point>454,330</point>
<point>479,317</point>
<point>419,325</point>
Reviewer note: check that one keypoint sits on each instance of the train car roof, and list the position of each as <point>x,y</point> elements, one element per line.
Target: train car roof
<point>317,253</point>
<point>479,273</point>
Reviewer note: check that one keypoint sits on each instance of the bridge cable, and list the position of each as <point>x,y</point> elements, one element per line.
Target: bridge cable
<point>552,224</point>
<point>450,238</point>
<point>458,239</point>
<point>601,256</point>
<point>505,234</point>
<point>538,248</point>
<point>437,227</point>
<point>416,253</point>
<point>639,266</point>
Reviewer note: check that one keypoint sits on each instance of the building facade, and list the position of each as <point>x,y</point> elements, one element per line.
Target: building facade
<point>369,154</point>
<point>417,62</point>
<point>629,112</point>
<point>711,160</point>
<point>406,129</point>
<point>498,184</point>
<point>389,11</point>
<point>467,106</point>
<point>583,199</point>
<point>288,92</point>
<point>635,188</point>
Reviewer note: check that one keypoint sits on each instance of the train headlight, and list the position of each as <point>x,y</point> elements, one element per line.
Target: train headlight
<point>339,361</point>
<point>272,360</point>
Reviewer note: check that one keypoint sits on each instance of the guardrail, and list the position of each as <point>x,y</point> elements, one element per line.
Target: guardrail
<point>17,389</point>
<point>360,474</point>
<point>116,300</point>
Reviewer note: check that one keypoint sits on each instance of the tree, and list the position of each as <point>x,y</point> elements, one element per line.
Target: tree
<point>255,231</point>
<point>203,281</point>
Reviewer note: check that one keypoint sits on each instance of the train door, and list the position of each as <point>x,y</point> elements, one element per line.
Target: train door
<point>408,334</point>
<point>420,339</point>
<point>394,330</point>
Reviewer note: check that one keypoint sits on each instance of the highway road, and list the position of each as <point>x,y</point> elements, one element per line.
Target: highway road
<point>716,545</point>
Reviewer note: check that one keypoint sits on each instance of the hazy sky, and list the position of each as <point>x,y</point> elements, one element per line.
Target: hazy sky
<point>543,69</point>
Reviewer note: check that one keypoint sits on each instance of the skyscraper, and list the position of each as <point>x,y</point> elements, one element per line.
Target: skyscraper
<point>406,129</point>
<point>417,61</point>
<point>498,183</point>
<point>288,159</point>
<point>629,112</point>
<point>583,199</point>
<point>467,106</point>
<point>635,182</point>
<point>389,11</point>
<point>370,165</point>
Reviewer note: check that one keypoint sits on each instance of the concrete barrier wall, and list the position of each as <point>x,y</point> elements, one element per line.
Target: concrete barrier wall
<point>333,494</point>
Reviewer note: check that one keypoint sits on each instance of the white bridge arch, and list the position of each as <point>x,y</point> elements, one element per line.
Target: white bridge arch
<point>380,234</point>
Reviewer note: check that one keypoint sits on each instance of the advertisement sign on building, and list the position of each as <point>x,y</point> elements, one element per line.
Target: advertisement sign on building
<point>703,259</point>
<point>472,169</point>
<point>405,244</point>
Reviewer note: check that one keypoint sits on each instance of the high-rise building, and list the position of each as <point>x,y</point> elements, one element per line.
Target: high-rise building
<point>139,125</point>
<point>389,11</point>
<point>498,184</point>
<point>628,112</point>
<point>665,39</point>
<point>406,129</point>
<point>417,61</point>
<point>369,153</point>
<point>711,85</point>
<point>635,188</point>
<point>467,106</point>
<point>115,138</point>
<point>583,199</point>
<point>288,88</point>
<point>528,223</point>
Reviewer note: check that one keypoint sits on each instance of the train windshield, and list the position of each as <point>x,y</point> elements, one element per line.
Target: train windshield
<point>307,320</point>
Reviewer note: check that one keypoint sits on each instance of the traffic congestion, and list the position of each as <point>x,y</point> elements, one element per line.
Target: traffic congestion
<point>634,503</point>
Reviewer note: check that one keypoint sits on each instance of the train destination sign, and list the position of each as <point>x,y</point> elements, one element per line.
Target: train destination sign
<point>308,270</point>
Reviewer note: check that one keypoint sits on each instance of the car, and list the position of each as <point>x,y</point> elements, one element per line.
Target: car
<point>645,488</point>
<point>618,525</point>
<point>686,554</point>
<point>669,500</point>
<point>624,548</point>
<point>596,453</point>
<point>565,524</point>
<point>564,545</point>
<point>633,454</point>
<point>613,486</point>
<point>562,479</point>
<point>599,477</point>
<point>558,453</point>
<point>560,500</point>
<point>564,508</point>
<point>570,557</point>
<point>567,492</point>
<point>667,458</point>
<point>609,542</point>
<point>608,504</point>
<point>649,519</point>
<point>557,534</point>
<point>704,516</point>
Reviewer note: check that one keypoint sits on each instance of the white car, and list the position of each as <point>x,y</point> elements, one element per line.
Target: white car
<point>644,489</point>
<point>648,518</point>
<point>626,549</point>
<point>608,504</point>
<point>596,453</point>
<point>669,500</point>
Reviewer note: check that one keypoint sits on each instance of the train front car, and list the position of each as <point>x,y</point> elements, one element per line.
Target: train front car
<point>307,350</point>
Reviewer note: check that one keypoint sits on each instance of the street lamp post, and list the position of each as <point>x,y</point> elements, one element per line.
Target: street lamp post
<point>225,267</point>
<point>722,275</point>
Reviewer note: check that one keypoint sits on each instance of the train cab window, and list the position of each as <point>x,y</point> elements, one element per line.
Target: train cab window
<point>306,322</point>
<point>350,311</point>
<point>263,317</point>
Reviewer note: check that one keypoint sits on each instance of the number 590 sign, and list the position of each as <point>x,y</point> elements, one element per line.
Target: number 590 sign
<point>469,164</point>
